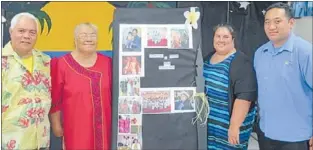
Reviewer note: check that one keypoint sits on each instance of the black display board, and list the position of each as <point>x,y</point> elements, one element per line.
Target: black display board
<point>182,67</point>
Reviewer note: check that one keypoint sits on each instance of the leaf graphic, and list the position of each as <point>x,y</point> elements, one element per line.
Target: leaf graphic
<point>137,4</point>
<point>111,27</point>
<point>42,22</point>
<point>42,16</point>
<point>130,4</point>
<point>48,20</point>
<point>111,33</point>
<point>161,5</point>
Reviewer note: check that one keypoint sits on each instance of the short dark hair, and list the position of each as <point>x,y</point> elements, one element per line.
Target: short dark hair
<point>229,27</point>
<point>135,30</point>
<point>280,5</point>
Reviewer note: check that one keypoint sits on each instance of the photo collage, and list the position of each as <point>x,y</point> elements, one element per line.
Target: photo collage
<point>168,100</point>
<point>135,101</point>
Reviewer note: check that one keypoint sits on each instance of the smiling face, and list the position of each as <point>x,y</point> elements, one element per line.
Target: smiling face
<point>223,41</point>
<point>24,35</point>
<point>87,39</point>
<point>277,25</point>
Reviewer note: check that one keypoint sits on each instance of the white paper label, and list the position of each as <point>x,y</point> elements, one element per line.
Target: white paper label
<point>166,67</point>
<point>167,63</point>
<point>156,55</point>
<point>172,56</point>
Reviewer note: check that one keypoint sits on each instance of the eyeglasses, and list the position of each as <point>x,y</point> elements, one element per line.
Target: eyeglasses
<point>86,35</point>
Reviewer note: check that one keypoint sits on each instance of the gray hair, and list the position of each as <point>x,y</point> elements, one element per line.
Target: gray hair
<point>228,27</point>
<point>94,27</point>
<point>17,18</point>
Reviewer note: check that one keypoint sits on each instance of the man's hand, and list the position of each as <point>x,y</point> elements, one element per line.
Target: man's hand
<point>233,135</point>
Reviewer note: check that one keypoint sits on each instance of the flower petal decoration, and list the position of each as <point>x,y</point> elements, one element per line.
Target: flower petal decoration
<point>192,17</point>
<point>3,19</point>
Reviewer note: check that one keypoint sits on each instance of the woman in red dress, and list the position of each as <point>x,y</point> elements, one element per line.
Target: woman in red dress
<point>81,92</point>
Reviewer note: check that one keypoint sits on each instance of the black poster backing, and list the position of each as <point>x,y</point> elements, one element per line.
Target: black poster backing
<point>160,131</point>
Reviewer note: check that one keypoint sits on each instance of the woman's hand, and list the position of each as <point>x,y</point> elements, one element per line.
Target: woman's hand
<point>233,135</point>
<point>63,144</point>
<point>240,111</point>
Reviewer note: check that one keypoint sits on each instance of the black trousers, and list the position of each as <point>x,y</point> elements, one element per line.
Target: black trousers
<point>266,143</point>
<point>55,142</point>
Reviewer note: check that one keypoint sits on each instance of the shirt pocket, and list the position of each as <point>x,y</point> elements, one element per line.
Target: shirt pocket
<point>287,69</point>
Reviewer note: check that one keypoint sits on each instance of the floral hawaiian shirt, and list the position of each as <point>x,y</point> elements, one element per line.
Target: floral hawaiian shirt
<point>25,101</point>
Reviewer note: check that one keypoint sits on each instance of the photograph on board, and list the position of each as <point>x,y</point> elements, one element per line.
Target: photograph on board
<point>157,37</point>
<point>129,86</point>
<point>135,129</point>
<point>136,119</point>
<point>184,101</point>
<point>129,105</point>
<point>129,142</point>
<point>131,39</point>
<point>132,65</point>
<point>123,123</point>
<point>156,101</point>
<point>180,37</point>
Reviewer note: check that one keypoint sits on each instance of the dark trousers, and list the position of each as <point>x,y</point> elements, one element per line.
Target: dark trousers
<point>266,143</point>
<point>55,142</point>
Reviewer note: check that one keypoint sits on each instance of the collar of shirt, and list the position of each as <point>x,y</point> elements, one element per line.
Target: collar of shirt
<point>8,51</point>
<point>287,46</point>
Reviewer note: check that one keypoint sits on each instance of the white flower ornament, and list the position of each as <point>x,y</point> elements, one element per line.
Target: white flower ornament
<point>3,19</point>
<point>192,17</point>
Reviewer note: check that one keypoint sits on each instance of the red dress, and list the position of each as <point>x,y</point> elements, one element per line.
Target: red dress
<point>83,95</point>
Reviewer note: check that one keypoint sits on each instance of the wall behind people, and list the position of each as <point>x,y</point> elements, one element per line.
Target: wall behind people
<point>302,9</point>
<point>303,28</point>
<point>58,19</point>
<point>246,17</point>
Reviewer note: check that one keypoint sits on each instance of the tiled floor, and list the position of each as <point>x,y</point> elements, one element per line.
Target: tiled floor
<point>253,143</point>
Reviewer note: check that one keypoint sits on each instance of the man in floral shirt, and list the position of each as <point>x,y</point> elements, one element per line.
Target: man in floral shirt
<point>26,87</point>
